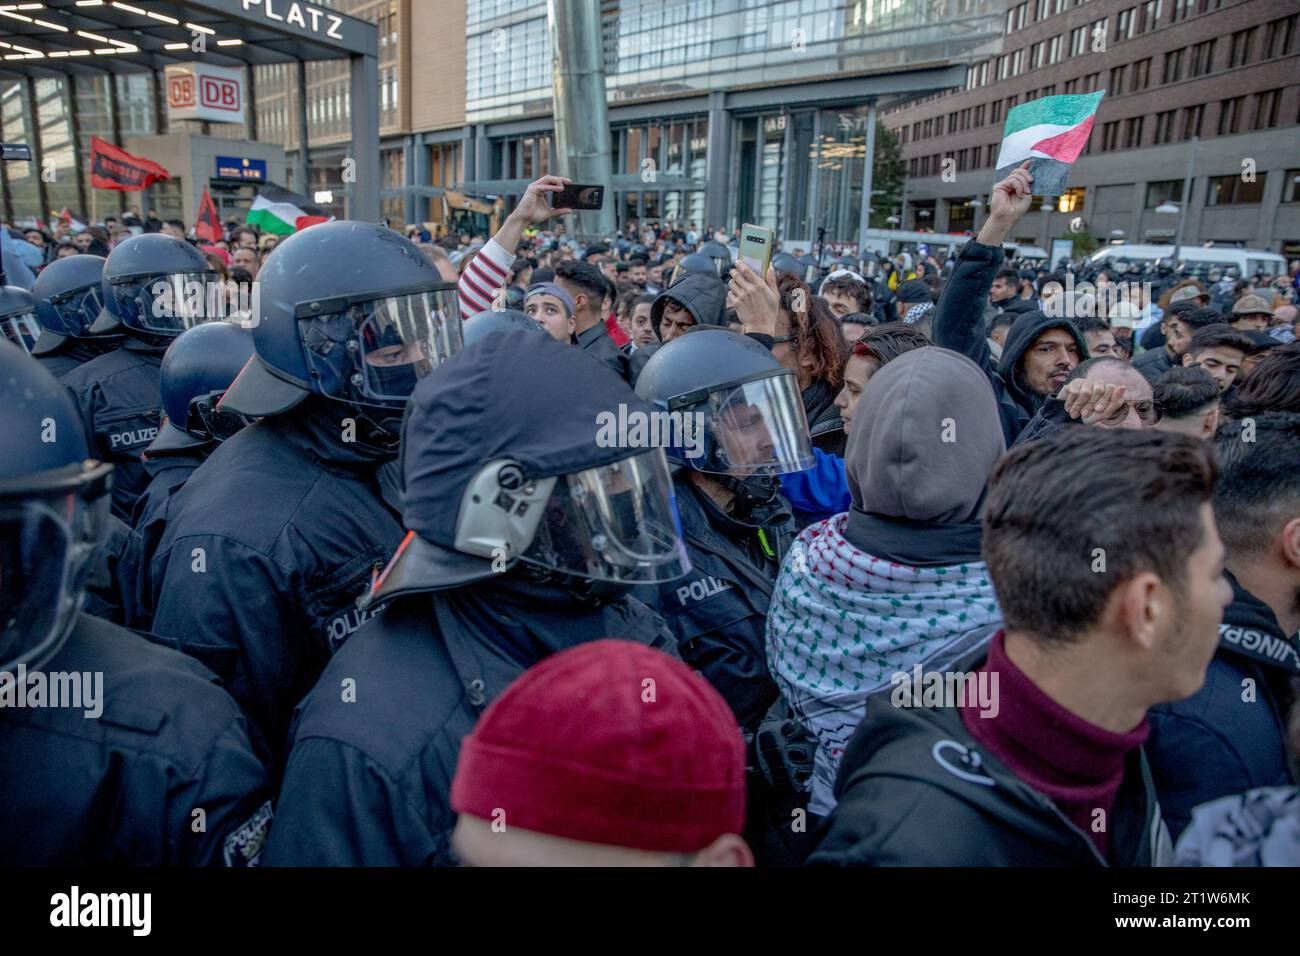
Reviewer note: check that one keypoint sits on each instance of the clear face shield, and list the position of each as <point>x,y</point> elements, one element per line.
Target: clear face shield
<point>22,329</point>
<point>165,304</point>
<point>614,523</point>
<point>45,542</point>
<point>79,309</point>
<point>756,428</point>
<point>373,352</point>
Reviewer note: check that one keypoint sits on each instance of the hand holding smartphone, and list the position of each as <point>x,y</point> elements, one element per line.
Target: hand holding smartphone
<point>756,247</point>
<point>578,196</point>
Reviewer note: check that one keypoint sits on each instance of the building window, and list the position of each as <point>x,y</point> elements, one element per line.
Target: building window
<point>1165,127</point>
<point>1183,9</point>
<point>1078,41</point>
<point>1116,85</point>
<point>1037,53</point>
<point>1072,199</point>
<point>1239,55</point>
<point>1125,24</point>
<point>1167,190</point>
<point>1091,82</point>
<point>1173,66</point>
<point>1202,58</point>
<point>1054,47</point>
<point>1230,115</point>
<point>1192,117</point>
<point>1133,132</point>
<point>1141,74</point>
<point>1266,104</point>
<point>1151,11</point>
<point>1072,86</point>
<point>1109,136</point>
<point>1291,187</point>
<point>1234,191</point>
<point>1278,36</point>
<point>995,111</point>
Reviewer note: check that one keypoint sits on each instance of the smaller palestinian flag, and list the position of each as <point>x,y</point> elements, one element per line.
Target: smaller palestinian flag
<point>1051,133</point>
<point>279,211</point>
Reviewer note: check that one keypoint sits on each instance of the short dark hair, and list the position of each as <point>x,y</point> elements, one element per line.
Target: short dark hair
<point>1180,310</point>
<point>175,223</point>
<point>637,259</point>
<point>888,341</point>
<point>1272,386</point>
<point>1259,487</point>
<point>1090,323</point>
<point>596,249</point>
<point>518,266</point>
<point>1005,318</point>
<point>1200,317</point>
<point>1008,275</point>
<point>1041,555</point>
<point>853,288</point>
<point>1043,281</point>
<point>1184,392</point>
<point>584,276</point>
<point>1220,335</point>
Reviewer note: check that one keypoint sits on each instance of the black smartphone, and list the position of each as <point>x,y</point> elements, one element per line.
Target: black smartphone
<point>578,196</point>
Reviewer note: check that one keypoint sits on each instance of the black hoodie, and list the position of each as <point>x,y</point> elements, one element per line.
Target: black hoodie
<point>959,325</point>
<point>703,296</point>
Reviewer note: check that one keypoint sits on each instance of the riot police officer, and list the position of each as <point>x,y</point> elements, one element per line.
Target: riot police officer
<point>113,750</point>
<point>268,545</point>
<point>154,287</point>
<point>527,533</point>
<point>18,323</point>
<point>741,423</point>
<point>69,299</point>
<point>196,370</point>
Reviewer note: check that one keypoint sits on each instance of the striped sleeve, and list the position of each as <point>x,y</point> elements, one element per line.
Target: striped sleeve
<point>486,273</point>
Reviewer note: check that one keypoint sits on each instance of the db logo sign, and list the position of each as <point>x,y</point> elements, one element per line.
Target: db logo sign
<point>219,93</point>
<point>180,90</point>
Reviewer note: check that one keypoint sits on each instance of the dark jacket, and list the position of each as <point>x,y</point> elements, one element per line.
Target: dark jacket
<point>266,549</point>
<point>70,355</point>
<point>703,296</point>
<point>168,475</point>
<point>915,789</point>
<point>1047,421</point>
<point>959,325</point>
<point>718,611</point>
<point>1223,740</point>
<point>368,781</point>
<point>120,403</point>
<point>825,426</point>
<point>598,342</point>
<point>1153,364</point>
<point>123,789</point>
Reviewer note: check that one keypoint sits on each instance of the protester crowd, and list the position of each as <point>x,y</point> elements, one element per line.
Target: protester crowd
<point>526,550</point>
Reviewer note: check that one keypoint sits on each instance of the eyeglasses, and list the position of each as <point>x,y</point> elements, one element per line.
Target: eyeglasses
<point>1149,412</point>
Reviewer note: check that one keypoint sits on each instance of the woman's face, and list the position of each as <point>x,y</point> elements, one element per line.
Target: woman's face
<point>552,314</point>
<point>642,332</point>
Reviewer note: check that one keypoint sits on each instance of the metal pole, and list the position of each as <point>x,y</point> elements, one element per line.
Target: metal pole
<point>1187,198</point>
<point>581,115</point>
<point>301,164</point>
<point>34,111</point>
<point>365,139</point>
<point>868,164</point>
<point>814,210</point>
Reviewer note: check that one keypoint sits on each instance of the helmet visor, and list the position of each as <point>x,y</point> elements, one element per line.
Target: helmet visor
<point>375,351</point>
<point>617,522</point>
<point>78,310</point>
<point>208,420</point>
<point>756,427</point>
<point>167,304</point>
<point>22,329</point>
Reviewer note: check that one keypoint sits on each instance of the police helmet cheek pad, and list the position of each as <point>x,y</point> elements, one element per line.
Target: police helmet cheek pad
<point>501,511</point>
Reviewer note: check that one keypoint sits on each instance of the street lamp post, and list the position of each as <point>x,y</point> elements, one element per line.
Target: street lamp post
<point>1187,198</point>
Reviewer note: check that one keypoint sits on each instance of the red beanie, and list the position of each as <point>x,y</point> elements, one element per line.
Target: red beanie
<point>608,742</point>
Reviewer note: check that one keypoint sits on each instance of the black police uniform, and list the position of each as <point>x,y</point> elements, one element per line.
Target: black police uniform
<point>70,356</point>
<point>117,395</point>
<point>136,549</point>
<point>718,611</point>
<point>265,551</point>
<point>165,776</point>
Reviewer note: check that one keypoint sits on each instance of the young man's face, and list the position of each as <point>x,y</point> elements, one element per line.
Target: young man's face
<point>643,331</point>
<point>999,334</point>
<point>841,304</point>
<point>856,372</point>
<point>551,313</point>
<point>1048,361</point>
<point>1222,362</point>
<point>1251,322</point>
<point>1177,337</point>
<point>245,258</point>
<point>1188,618</point>
<point>655,275</point>
<point>1003,290</point>
<point>675,320</point>
<point>1101,344</point>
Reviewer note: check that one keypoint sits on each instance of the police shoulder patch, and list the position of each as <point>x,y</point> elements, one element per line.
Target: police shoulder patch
<point>243,846</point>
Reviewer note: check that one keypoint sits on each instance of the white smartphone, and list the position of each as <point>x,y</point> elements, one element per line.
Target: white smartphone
<point>756,247</point>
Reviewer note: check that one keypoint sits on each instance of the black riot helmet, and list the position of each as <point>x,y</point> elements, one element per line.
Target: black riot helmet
<point>196,370</point>
<point>483,324</point>
<point>155,287</point>
<point>513,463</point>
<point>718,253</point>
<point>18,322</point>
<point>739,410</point>
<point>53,512</point>
<point>351,311</point>
<point>69,300</point>
<point>691,264</point>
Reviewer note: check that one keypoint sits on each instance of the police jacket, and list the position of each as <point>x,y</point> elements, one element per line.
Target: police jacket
<point>915,789</point>
<point>120,402</point>
<point>168,475</point>
<point>375,744</point>
<point>164,775</point>
<point>266,549</point>
<point>1230,736</point>
<point>718,611</point>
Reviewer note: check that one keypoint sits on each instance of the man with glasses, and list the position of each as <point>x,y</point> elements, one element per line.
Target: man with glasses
<point>1101,392</point>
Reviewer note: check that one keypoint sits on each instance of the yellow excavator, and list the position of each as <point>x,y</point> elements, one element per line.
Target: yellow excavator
<point>462,213</point>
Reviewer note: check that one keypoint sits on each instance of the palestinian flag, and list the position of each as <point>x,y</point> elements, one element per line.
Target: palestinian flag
<point>279,211</point>
<point>1051,133</point>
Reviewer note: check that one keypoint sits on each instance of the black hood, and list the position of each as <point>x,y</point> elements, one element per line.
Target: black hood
<point>1021,336</point>
<point>1250,628</point>
<point>703,296</point>
<point>316,429</point>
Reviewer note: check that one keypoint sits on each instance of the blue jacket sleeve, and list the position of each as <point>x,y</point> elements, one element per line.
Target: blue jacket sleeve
<point>820,491</point>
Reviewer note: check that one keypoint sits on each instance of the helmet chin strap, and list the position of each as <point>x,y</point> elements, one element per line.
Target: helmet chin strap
<point>583,590</point>
<point>750,493</point>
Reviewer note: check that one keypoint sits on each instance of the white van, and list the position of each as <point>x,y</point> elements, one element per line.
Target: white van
<point>1197,259</point>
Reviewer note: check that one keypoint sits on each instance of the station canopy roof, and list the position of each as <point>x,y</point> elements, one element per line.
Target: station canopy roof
<point>58,37</point>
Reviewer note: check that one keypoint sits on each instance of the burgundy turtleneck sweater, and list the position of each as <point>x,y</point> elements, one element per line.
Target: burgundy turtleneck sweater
<point>1076,764</point>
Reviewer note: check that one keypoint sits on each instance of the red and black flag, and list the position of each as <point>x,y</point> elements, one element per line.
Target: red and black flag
<point>208,225</point>
<point>114,168</point>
